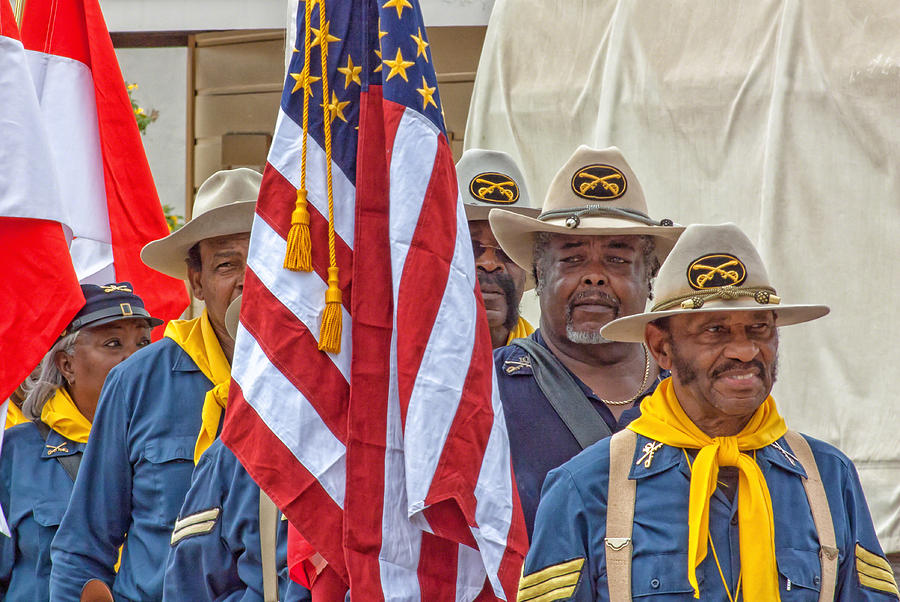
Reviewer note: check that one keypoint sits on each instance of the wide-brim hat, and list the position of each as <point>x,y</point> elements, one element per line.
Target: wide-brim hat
<point>595,193</point>
<point>712,268</point>
<point>489,179</point>
<point>225,204</point>
<point>109,303</point>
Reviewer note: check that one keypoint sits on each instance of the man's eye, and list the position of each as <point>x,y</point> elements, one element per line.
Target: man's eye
<point>614,259</point>
<point>715,328</point>
<point>112,343</point>
<point>143,342</point>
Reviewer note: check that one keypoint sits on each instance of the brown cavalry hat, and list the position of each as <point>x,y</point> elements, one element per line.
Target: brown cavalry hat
<point>595,193</point>
<point>711,268</point>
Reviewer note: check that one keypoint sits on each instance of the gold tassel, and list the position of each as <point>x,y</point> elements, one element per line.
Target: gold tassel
<point>298,256</point>
<point>330,332</point>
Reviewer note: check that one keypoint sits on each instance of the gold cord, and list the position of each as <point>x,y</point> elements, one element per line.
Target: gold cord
<point>298,255</point>
<point>330,331</point>
<point>643,382</point>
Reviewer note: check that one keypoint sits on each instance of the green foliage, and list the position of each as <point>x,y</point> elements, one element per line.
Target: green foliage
<point>140,115</point>
<point>174,221</point>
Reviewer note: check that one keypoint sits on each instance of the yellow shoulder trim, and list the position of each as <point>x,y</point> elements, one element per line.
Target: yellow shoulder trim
<point>875,572</point>
<point>552,583</point>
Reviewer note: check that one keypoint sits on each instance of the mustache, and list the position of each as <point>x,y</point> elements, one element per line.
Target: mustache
<point>504,282</point>
<point>594,297</point>
<point>736,365</point>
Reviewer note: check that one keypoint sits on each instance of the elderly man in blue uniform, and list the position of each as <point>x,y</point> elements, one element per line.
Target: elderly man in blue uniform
<point>230,541</point>
<point>592,253</point>
<point>138,465</point>
<point>486,180</point>
<point>707,494</point>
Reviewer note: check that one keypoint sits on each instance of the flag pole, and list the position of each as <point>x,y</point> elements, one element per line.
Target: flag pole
<point>20,8</point>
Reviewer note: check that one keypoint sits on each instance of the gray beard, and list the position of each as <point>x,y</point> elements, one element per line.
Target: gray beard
<point>584,337</point>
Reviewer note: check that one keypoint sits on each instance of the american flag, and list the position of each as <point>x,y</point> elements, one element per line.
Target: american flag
<point>391,456</point>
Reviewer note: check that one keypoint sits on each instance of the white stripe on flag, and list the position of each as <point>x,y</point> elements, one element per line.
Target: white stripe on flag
<point>412,161</point>
<point>290,416</point>
<point>401,541</point>
<point>494,494</point>
<point>285,154</point>
<point>442,374</point>
<point>469,574</point>
<point>65,89</point>
<point>303,293</point>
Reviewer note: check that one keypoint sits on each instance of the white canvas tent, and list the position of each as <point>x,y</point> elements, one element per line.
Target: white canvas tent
<point>780,115</point>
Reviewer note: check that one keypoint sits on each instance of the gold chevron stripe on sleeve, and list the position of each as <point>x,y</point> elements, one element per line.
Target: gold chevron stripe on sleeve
<point>552,583</point>
<point>874,571</point>
<point>192,519</point>
<point>195,529</point>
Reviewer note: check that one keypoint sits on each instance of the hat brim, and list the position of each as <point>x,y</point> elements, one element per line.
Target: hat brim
<point>167,255</point>
<point>154,322</point>
<point>630,329</point>
<point>515,233</point>
<point>480,212</point>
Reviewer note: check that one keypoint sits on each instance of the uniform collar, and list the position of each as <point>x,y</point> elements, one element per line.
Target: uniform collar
<point>665,457</point>
<point>56,446</point>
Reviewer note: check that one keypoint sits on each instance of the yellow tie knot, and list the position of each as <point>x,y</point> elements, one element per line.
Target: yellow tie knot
<point>220,393</point>
<point>728,454</point>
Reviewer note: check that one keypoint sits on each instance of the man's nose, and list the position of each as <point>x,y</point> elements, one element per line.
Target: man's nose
<point>490,261</point>
<point>741,347</point>
<point>594,274</point>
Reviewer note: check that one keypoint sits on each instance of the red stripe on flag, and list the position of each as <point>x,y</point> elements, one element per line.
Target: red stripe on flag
<point>8,27</point>
<point>437,566</point>
<point>274,468</point>
<point>426,270</point>
<point>272,208</point>
<point>294,351</point>
<point>40,295</point>
<point>372,331</point>
<point>40,31</point>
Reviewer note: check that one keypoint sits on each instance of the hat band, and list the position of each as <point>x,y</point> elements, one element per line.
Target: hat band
<point>124,310</point>
<point>573,216</point>
<point>763,295</point>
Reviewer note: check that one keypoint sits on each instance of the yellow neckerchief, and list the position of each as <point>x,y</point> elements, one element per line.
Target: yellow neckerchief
<point>521,330</point>
<point>62,415</point>
<point>663,419</point>
<point>198,339</point>
<point>14,415</point>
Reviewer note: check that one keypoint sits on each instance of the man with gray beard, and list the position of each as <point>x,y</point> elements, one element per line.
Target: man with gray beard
<point>592,253</point>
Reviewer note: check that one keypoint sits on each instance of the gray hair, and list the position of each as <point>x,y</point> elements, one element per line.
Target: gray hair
<point>39,390</point>
<point>542,244</point>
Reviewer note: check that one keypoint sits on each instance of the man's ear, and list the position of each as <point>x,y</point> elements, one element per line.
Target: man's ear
<point>659,342</point>
<point>195,282</point>
<point>64,364</point>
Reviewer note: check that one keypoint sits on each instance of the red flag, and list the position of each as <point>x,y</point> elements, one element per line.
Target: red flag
<point>39,292</point>
<point>113,206</point>
<point>390,456</point>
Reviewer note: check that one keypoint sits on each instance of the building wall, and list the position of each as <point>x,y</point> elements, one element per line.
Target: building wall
<point>161,75</point>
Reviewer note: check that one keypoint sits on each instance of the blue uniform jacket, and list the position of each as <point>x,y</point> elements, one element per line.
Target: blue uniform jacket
<point>135,472</point>
<point>539,440</point>
<point>571,524</point>
<point>217,553</point>
<point>34,490</point>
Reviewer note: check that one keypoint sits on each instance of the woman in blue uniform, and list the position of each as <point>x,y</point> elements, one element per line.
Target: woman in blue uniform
<point>40,458</point>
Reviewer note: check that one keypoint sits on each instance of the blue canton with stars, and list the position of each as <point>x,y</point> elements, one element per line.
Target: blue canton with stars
<point>370,43</point>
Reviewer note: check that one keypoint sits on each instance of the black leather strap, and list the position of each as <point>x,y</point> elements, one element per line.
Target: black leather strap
<point>567,398</point>
<point>69,463</point>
